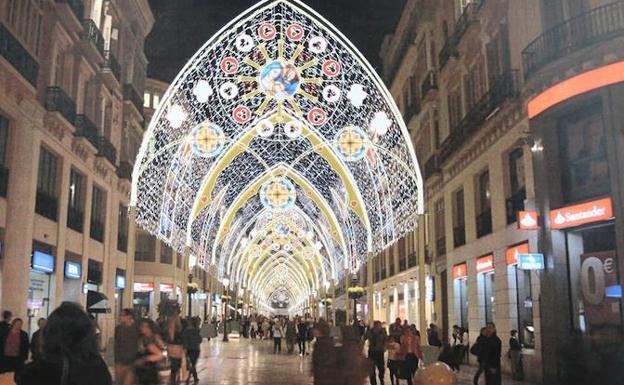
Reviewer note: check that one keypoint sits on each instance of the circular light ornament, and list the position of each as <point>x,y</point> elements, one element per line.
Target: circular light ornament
<point>292,130</point>
<point>275,246</point>
<point>279,80</point>
<point>265,128</point>
<point>288,247</point>
<point>176,115</point>
<point>202,91</point>
<point>278,194</point>
<point>351,143</point>
<point>308,252</point>
<point>208,140</point>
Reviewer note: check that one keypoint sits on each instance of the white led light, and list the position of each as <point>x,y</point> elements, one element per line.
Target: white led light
<point>176,116</point>
<point>202,91</point>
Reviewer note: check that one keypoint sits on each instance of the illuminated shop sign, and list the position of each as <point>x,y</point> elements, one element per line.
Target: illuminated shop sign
<point>73,270</point>
<point>588,212</point>
<point>142,287</point>
<point>531,261</point>
<point>120,282</point>
<point>511,255</point>
<point>42,262</point>
<point>460,271</point>
<point>528,220</point>
<point>166,288</point>
<point>485,264</point>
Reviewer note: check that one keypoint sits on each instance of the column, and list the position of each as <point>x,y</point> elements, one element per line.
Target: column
<point>420,244</point>
<point>61,238</point>
<point>130,257</point>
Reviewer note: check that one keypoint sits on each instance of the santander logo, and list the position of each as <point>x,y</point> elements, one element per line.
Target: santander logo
<point>594,211</point>
<point>528,220</point>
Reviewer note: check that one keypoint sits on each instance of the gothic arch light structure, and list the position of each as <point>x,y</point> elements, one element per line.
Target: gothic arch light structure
<point>277,157</point>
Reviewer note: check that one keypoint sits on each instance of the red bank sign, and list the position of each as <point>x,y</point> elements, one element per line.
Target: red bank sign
<point>485,264</point>
<point>460,271</point>
<point>588,212</point>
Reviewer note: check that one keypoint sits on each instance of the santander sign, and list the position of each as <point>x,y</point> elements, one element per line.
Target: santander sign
<point>588,212</point>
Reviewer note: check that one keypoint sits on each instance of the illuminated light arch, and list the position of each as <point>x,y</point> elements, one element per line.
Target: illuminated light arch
<point>278,87</point>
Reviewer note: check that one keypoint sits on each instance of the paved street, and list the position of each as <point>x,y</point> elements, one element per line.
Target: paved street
<point>240,362</point>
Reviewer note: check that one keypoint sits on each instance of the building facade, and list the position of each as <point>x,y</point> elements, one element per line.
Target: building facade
<point>512,119</point>
<point>72,76</point>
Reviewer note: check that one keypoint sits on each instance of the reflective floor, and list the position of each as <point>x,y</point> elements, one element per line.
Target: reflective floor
<point>244,361</point>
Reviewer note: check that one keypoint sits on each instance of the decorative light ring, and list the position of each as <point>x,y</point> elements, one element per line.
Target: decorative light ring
<point>351,143</point>
<point>208,140</point>
<point>278,194</point>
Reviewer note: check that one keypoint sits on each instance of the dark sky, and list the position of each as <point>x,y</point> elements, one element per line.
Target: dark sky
<point>183,26</point>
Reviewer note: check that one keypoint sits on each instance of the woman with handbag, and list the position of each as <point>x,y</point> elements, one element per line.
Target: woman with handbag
<point>149,354</point>
<point>175,348</point>
<point>411,350</point>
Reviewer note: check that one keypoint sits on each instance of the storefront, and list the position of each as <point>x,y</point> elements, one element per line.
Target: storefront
<point>41,284</point>
<point>485,284</point>
<point>520,280</point>
<point>120,287</point>
<point>142,298</point>
<point>460,294</point>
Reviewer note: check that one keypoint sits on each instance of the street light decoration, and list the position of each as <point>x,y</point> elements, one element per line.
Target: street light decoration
<point>226,298</point>
<point>355,292</point>
<point>192,288</point>
<point>278,114</point>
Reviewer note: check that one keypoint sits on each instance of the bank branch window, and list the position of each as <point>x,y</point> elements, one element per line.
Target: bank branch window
<point>521,280</point>
<point>485,279</point>
<point>460,294</point>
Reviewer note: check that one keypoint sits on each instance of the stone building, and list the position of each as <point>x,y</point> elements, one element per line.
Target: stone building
<point>72,75</point>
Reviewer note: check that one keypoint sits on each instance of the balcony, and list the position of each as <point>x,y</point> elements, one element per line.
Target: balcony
<point>75,219</point>
<point>76,6</point>
<point>459,236</point>
<point>431,166</point>
<point>85,128</point>
<point>502,89</point>
<point>111,65</point>
<point>131,95</point>
<point>468,16</point>
<point>515,203</point>
<point>124,170</point>
<point>97,230</point>
<point>58,101</point>
<point>13,51</point>
<point>484,223</point>
<point>448,50</point>
<point>4,181</point>
<point>413,109</point>
<point>92,34</point>
<point>599,24</point>
<point>430,83</point>
<point>46,205</point>
<point>441,246</point>
<point>107,150</point>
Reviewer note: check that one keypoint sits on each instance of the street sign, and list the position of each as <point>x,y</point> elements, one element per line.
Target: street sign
<point>531,261</point>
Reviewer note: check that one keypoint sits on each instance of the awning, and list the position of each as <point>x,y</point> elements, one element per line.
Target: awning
<point>97,302</point>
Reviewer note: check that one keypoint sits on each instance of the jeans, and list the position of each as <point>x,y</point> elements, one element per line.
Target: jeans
<point>302,346</point>
<point>176,364</point>
<point>193,356</point>
<point>277,344</point>
<point>376,358</point>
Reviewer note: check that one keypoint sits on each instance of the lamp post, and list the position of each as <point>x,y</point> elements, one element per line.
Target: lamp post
<point>189,293</point>
<point>226,283</point>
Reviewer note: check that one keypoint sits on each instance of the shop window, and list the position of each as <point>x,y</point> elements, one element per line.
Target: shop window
<point>526,330</point>
<point>75,208</point>
<point>459,220</point>
<point>484,212</point>
<point>122,229</point>
<point>488,295</point>
<point>94,272</point>
<point>460,287</point>
<point>585,170</point>
<point>595,293</point>
<point>47,196</point>
<point>517,189</point>
<point>166,254</point>
<point>98,213</point>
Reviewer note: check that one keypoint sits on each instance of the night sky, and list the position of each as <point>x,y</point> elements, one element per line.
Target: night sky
<point>183,26</point>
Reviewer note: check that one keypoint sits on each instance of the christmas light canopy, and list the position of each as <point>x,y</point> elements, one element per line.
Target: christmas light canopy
<point>277,158</point>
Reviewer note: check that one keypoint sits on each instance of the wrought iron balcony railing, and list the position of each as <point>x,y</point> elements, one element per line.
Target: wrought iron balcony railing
<point>484,223</point>
<point>77,7</point>
<point>85,128</point>
<point>596,25</point>
<point>515,203</point>
<point>502,89</point>
<point>107,150</point>
<point>133,96</point>
<point>430,83</point>
<point>461,26</point>
<point>124,170</point>
<point>92,33</point>
<point>449,49</point>
<point>58,101</point>
<point>13,51</point>
<point>431,166</point>
<point>111,64</point>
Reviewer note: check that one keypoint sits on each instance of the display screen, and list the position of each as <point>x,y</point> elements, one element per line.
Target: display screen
<point>73,270</point>
<point>42,262</point>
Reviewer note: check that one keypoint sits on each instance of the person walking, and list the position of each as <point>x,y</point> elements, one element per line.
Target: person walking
<point>396,329</point>
<point>324,357</point>
<point>291,336</point>
<point>477,350</point>
<point>433,336</point>
<point>70,354</point>
<point>302,335</point>
<point>175,346</point>
<point>36,342</point>
<point>253,326</point>
<point>492,356</point>
<point>5,324</point>
<point>515,355</point>
<point>411,350</point>
<point>192,343</point>
<point>354,367</point>
<point>149,353</point>
<point>395,360</point>
<point>126,348</point>
<point>15,349</point>
<point>278,333</point>
<point>265,329</point>
<point>377,340</point>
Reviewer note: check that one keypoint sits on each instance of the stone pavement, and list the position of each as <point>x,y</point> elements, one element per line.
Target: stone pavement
<point>243,361</point>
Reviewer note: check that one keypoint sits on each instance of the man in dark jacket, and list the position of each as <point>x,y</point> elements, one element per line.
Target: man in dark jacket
<point>377,340</point>
<point>477,350</point>
<point>36,342</point>
<point>192,344</point>
<point>5,324</point>
<point>325,359</point>
<point>492,355</point>
<point>126,348</point>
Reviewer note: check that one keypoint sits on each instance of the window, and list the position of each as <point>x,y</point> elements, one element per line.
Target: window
<point>47,199</point>
<point>439,227</point>
<point>585,170</point>
<point>488,295</point>
<point>517,190</point>
<point>145,247</point>
<point>146,100</point>
<point>155,101</point>
<point>94,272</point>
<point>4,172</point>
<point>166,254</point>
<point>474,85</point>
<point>122,229</point>
<point>460,289</point>
<point>526,331</point>
<point>402,254</point>
<point>178,260</point>
<point>459,221</point>
<point>382,262</point>
<point>484,212</point>
<point>391,270</point>
<point>24,18</point>
<point>377,268</point>
<point>454,109</point>
<point>75,208</point>
<point>98,213</point>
